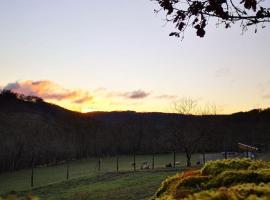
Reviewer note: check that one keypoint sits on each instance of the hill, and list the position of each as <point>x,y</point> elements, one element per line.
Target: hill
<point>31,129</point>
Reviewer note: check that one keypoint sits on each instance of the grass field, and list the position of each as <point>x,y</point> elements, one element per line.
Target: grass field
<point>43,176</point>
<point>114,186</point>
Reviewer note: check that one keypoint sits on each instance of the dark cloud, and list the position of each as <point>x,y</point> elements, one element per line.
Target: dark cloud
<point>137,94</point>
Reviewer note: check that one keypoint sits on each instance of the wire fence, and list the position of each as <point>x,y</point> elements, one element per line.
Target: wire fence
<point>70,169</point>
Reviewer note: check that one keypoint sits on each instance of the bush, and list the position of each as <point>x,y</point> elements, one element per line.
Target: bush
<point>228,178</point>
<point>193,181</point>
<point>218,166</point>
<point>167,186</point>
<point>170,185</point>
<point>238,192</point>
<point>235,179</point>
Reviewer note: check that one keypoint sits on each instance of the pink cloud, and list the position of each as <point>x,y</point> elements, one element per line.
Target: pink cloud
<point>48,90</point>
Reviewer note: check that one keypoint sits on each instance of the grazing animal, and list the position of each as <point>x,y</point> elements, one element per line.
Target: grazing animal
<point>169,165</point>
<point>145,165</point>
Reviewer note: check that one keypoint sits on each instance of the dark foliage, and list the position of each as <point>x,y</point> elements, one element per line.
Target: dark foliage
<point>52,134</point>
<point>197,13</point>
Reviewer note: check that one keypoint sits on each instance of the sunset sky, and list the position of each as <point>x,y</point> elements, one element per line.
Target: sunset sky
<point>89,55</point>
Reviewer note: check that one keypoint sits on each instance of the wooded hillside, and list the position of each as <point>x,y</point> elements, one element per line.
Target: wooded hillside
<point>33,129</point>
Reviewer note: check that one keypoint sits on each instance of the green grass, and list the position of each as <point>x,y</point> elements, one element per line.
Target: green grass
<point>20,180</point>
<point>263,156</point>
<point>111,185</point>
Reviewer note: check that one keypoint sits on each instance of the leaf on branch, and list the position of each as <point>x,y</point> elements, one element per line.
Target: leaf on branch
<point>196,7</point>
<point>167,5</point>
<point>250,23</point>
<point>176,19</point>
<point>248,4</point>
<point>181,14</point>
<point>200,32</point>
<point>260,13</point>
<point>195,21</point>
<point>197,26</point>
<point>203,23</point>
<point>181,26</point>
<point>196,14</point>
<point>174,34</point>
<point>227,25</point>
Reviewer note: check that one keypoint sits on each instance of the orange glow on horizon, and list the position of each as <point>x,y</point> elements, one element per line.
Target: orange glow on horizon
<point>105,100</point>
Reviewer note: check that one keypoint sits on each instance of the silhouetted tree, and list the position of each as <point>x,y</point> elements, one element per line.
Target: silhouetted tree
<point>8,95</point>
<point>56,134</point>
<point>189,132</point>
<point>197,13</point>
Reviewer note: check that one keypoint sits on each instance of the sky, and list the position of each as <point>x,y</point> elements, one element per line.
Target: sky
<point>92,55</point>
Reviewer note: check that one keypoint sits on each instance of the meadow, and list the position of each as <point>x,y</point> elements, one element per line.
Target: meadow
<point>44,176</point>
<point>87,183</point>
<point>138,185</point>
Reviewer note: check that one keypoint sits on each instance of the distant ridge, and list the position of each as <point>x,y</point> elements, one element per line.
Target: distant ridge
<point>52,133</point>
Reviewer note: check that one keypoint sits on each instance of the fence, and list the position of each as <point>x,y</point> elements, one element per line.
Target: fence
<point>41,175</point>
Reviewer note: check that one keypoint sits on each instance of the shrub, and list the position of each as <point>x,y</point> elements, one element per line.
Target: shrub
<point>168,186</point>
<point>235,179</point>
<point>238,192</point>
<point>218,166</point>
<point>193,181</point>
<point>228,178</point>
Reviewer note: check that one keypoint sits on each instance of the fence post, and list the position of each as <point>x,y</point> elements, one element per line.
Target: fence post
<point>174,159</point>
<point>32,170</point>
<point>99,163</point>
<point>153,161</point>
<point>67,169</point>
<point>134,162</point>
<point>203,156</point>
<point>117,163</point>
<point>225,151</point>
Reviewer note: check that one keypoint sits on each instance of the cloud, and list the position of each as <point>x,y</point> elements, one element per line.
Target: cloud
<point>267,96</point>
<point>137,94</point>
<point>49,90</point>
<point>222,72</point>
<point>165,96</point>
<point>83,99</point>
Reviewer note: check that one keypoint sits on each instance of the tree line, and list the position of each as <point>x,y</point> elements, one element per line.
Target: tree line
<point>33,129</point>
